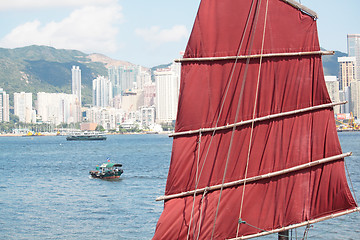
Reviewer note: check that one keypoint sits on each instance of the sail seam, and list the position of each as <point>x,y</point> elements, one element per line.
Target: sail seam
<point>266,55</point>
<point>256,178</point>
<point>265,118</point>
<point>334,215</point>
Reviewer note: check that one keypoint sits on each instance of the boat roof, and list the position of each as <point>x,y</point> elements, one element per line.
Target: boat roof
<point>110,165</point>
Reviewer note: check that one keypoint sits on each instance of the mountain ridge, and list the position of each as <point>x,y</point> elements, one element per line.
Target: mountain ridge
<point>47,69</point>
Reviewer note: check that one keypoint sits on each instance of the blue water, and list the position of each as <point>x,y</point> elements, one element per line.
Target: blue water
<point>46,192</point>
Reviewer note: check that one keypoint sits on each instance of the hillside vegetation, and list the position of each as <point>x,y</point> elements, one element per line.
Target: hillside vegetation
<point>46,69</point>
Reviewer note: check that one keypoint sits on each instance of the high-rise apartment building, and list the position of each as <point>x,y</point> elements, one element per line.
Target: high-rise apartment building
<point>167,93</point>
<point>353,47</point>
<point>347,71</point>
<point>23,107</point>
<point>76,82</point>
<point>102,92</point>
<point>4,106</point>
<point>57,108</point>
<point>123,78</point>
<point>332,85</point>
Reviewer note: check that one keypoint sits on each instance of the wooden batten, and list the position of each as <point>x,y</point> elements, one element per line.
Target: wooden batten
<point>342,213</point>
<point>267,55</point>
<point>255,178</point>
<point>269,117</point>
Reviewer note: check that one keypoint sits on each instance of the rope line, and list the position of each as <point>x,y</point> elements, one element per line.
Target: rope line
<point>306,231</point>
<point>196,180</point>
<point>238,109</point>
<point>254,113</point>
<point>352,186</point>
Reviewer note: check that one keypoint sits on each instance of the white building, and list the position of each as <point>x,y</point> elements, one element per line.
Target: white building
<point>23,107</point>
<point>4,106</point>
<point>57,108</point>
<point>76,82</point>
<point>147,116</point>
<point>108,118</point>
<point>102,92</point>
<point>143,77</point>
<point>332,85</point>
<point>167,93</point>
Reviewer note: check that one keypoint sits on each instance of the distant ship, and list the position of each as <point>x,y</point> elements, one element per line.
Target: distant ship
<point>86,136</point>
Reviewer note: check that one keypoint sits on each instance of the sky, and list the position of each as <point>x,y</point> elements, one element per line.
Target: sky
<point>143,32</point>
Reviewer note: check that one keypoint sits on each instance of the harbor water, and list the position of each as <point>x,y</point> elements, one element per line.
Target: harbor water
<point>46,192</point>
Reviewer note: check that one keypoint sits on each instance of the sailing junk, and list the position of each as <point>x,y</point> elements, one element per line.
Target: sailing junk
<point>255,148</point>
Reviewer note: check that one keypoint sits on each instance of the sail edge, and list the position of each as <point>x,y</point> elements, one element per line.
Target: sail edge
<point>316,220</point>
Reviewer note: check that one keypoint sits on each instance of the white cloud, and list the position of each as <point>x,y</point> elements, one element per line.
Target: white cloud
<point>89,29</point>
<point>158,36</point>
<point>36,4</point>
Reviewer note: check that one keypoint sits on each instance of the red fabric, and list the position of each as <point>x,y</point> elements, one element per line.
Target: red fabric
<point>286,83</point>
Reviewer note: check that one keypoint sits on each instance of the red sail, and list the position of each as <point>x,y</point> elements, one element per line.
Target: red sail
<point>221,91</point>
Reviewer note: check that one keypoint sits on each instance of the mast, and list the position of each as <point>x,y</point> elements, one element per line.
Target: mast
<point>255,147</point>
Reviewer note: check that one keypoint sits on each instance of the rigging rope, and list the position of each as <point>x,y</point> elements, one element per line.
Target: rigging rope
<point>196,180</point>
<point>254,113</point>
<point>218,118</point>
<point>238,109</point>
<point>352,187</point>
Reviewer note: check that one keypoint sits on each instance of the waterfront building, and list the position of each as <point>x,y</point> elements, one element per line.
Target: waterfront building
<point>57,108</point>
<point>102,92</point>
<point>108,118</point>
<point>353,47</point>
<point>23,107</point>
<point>332,85</point>
<point>4,106</point>
<point>167,93</point>
<point>76,82</point>
<point>347,71</point>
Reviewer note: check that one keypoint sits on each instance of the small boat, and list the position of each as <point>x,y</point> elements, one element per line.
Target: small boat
<point>107,171</point>
<point>85,136</point>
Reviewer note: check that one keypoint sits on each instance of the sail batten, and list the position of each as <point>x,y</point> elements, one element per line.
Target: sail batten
<point>226,58</point>
<point>309,222</point>
<point>256,178</point>
<point>268,117</point>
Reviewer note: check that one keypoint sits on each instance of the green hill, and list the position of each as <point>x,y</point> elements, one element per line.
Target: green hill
<point>330,63</point>
<point>40,68</point>
<point>46,69</point>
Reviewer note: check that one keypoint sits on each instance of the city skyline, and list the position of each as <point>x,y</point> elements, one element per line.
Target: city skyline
<point>142,32</point>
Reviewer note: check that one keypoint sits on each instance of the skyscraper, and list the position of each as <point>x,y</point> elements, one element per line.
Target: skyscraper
<point>4,106</point>
<point>102,92</point>
<point>167,93</point>
<point>76,82</point>
<point>23,107</point>
<point>123,78</point>
<point>347,71</point>
<point>353,47</point>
